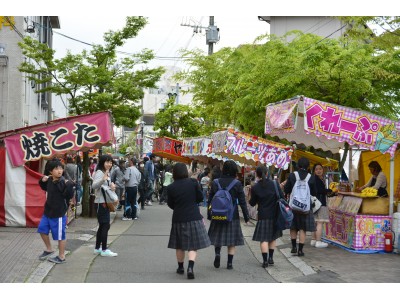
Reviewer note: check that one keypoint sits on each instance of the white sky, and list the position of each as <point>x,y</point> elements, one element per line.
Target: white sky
<point>163,34</point>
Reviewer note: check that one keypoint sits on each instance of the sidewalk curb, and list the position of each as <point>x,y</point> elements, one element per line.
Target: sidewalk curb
<point>286,265</point>
<point>80,259</point>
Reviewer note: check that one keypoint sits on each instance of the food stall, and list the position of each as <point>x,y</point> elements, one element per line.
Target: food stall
<point>356,222</point>
<point>250,150</point>
<point>21,199</point>
<point>169,148</point>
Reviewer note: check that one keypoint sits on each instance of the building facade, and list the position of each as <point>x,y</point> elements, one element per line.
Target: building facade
<point>318,25</point>
<point>20,106</point>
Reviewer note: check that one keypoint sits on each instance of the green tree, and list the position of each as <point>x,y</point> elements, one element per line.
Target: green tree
<point>177,121</point>
<point>95,80</point>
<point>235,84</point>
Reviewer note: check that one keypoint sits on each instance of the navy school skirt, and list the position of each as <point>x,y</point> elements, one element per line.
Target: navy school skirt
<point>188,236</point>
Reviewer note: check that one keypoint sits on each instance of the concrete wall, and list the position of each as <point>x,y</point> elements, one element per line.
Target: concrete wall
<point>322,26</point>
<point>19,104</point>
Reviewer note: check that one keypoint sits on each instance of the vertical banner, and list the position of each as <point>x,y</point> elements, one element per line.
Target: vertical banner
<point>281,117</point>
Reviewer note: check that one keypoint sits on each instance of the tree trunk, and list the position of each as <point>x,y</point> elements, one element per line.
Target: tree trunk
<point>85,183</point>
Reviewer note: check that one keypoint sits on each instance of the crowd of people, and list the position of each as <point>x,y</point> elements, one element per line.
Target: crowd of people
<point>135,184</point>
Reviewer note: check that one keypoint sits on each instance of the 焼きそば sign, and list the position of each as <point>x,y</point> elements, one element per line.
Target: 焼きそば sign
<point>352,126</point>
<point>75,133</point>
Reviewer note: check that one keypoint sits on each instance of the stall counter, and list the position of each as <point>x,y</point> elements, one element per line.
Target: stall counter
<point>358,222</point>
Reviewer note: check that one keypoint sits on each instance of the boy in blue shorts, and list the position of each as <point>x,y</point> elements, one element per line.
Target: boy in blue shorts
<point>54,219</point>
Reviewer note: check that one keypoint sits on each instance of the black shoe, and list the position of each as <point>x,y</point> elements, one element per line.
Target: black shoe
<point>294,250</point>
<point>190,274</point>
<point>270,261</point>
<point>265,264</point>
<point>300,253</point>
<point>229,266</point>
<point>180,270</point>
<point>217,260</point>
<point>142,208</point>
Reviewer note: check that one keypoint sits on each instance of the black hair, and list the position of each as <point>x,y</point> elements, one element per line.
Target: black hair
<point>145,159</point>
<point>206,171</point>
<point>261,172</point>
<point>315,166</point>
<point>303,163</point>
<point>229,168</point>
<point>151,156</point>
<point>215,173</point>
<point>102,160</point>
<point>180,171</point>
<point>168,168</point>
<point>134,161</point>
<point>51,165</point>
<point>375,166</point>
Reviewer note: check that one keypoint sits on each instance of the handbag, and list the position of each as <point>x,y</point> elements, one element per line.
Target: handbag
<point>109,197</point>
<point>315,204</point>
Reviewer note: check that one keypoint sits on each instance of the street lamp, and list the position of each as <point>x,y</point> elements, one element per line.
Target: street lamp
<point>142,123</point>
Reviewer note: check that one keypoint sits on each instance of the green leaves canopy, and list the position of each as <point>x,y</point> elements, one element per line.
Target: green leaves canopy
<point>233,86</point>
<point>96,80</point>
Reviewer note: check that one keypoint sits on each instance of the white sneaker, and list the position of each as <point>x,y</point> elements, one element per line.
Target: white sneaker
<point>313,243</point>
<point>149,203</point>
<point>126,219</point>
<point>96,251</point>
<point>319,244</point>
<point>108,252</point>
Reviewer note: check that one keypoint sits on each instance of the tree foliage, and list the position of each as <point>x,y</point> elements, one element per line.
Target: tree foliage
<point>177,120</point>
<point>234,85</point>
<point>95,80</point>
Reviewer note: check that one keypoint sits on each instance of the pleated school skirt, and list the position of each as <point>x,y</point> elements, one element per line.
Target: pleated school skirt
<point>226,233</point>
<point>265,232</point>
<point>322,215</point>
<point>188,236</point>
<point>304,222</point>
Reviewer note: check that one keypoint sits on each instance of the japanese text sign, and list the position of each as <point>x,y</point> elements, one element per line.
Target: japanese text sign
<point>252,148</point>
<point>74,134</point>
<point>352,126</point>
<point>197,146</point>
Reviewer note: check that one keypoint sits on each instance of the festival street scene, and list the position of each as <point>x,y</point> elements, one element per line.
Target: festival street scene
<point>183,150</point>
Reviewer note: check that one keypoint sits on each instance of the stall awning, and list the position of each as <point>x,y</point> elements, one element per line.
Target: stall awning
<point>314,159</point>
<point>170,149</point>
<point>58,137</point>
<point>250,150</point>
<point>327,126</point>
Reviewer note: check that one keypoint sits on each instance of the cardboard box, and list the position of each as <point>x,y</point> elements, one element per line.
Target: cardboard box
<point>375,206</point>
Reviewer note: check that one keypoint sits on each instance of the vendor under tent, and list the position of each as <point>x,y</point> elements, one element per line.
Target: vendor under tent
<point>328,126</point>
<point>169,148</point>
<point>21,199</point>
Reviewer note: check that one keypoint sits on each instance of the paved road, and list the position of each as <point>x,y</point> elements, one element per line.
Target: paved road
<point>144,257</point>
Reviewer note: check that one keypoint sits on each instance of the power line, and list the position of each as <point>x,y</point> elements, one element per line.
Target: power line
<point>15,28</point>
<point>326,37</point>
<point>117,51</point>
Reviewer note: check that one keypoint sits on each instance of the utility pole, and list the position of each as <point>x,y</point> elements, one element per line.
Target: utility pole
<point>210,44</point>
<point>212,34</point>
